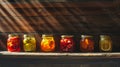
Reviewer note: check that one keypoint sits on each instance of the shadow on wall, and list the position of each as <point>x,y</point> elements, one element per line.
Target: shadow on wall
<point>3,43</point>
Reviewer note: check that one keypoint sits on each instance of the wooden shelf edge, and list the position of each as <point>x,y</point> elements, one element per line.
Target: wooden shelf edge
<point>42,54</point>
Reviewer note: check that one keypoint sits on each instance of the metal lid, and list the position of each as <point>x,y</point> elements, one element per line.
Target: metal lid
<point>12,35</point>
<point>104,36</point>
<point>28,35</point>
<point>86,36</point>
<point>66,35</point>
<point>47,35</point>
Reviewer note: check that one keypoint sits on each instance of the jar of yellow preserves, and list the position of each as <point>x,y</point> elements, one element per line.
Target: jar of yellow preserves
<point>47,43</point>
<point>105,43</point>
<point>29,43</point>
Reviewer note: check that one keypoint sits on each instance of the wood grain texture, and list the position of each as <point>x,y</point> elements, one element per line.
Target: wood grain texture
<point>58,18</point>
<point>59,61</point>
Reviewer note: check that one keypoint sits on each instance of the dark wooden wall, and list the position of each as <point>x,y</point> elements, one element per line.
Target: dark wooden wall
<point>60,17</point>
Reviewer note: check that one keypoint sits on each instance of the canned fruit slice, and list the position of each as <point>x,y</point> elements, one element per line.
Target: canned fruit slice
<point>86,45</point>
<point>47,45</point>
<point>66,44</point>
<point>83,45</point>
<point>105,46</point>
<point>29,40</point>
<point>29,47</point>
<point>13,44</point>
<point>13,48</point>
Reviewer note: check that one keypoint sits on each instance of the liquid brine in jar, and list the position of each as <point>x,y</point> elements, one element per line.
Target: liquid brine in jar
<point>86,43</point>
<point>29,43</point>
<point>105,43</point>
<point>48,43</point>
<point>13,43</point>
<point>67,43</point>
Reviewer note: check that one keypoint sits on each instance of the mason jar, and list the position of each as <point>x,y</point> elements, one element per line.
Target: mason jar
<point>105,43</point>
<point>13,43</point>
<point>29,43</point>
<point>87,43</point>
<point>67,43</point>
<point>48,43</point>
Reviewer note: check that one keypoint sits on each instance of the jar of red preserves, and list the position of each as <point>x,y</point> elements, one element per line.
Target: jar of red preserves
<point>86,43</point>
<point>13,43</point>
<point>48,43</point>
<point>67,43</point>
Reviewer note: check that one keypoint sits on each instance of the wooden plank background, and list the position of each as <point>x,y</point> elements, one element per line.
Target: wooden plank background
<point>65,17</point>
<point>58,17</point>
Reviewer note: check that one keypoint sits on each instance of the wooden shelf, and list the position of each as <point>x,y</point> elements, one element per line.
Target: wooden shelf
<point>41,54</point>
<point>39,59</point>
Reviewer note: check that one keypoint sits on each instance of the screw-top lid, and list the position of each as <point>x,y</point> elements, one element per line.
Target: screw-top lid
<point>12,35</point>
<point>104,36</point>
<point>86,36</point>
<point>28,35</point>
<point>47,35</point>
<point>66,35</point>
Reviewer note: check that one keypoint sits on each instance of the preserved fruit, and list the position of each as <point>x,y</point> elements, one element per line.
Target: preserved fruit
<point>13,43</point>
<point>105,43</point>
<point>86,43</point>
<point>47,43</point>
<point>29,43</point>
<point>66,43</point>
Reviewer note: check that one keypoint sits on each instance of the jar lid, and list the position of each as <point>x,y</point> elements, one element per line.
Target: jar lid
<point>28,35</point>
<point>12,35</point>
<point>86,36</point>
<point>47,35</point>
<point>66,35</point>
<point>107,36</point>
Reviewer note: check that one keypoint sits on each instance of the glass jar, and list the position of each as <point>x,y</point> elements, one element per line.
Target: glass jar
<point>47,43</point>
<point>105,43</point>
<point>29,43</point>
<point>86,43</point>
<point>13,43</point>
<point>66,43</point>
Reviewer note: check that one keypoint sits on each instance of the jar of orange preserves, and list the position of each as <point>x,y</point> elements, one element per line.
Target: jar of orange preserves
<point>86,43</point>
<point>13,43</point>
<point>47,43</point>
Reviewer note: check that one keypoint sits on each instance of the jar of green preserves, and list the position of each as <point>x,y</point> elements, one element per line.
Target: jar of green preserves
<point>29,43</point>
